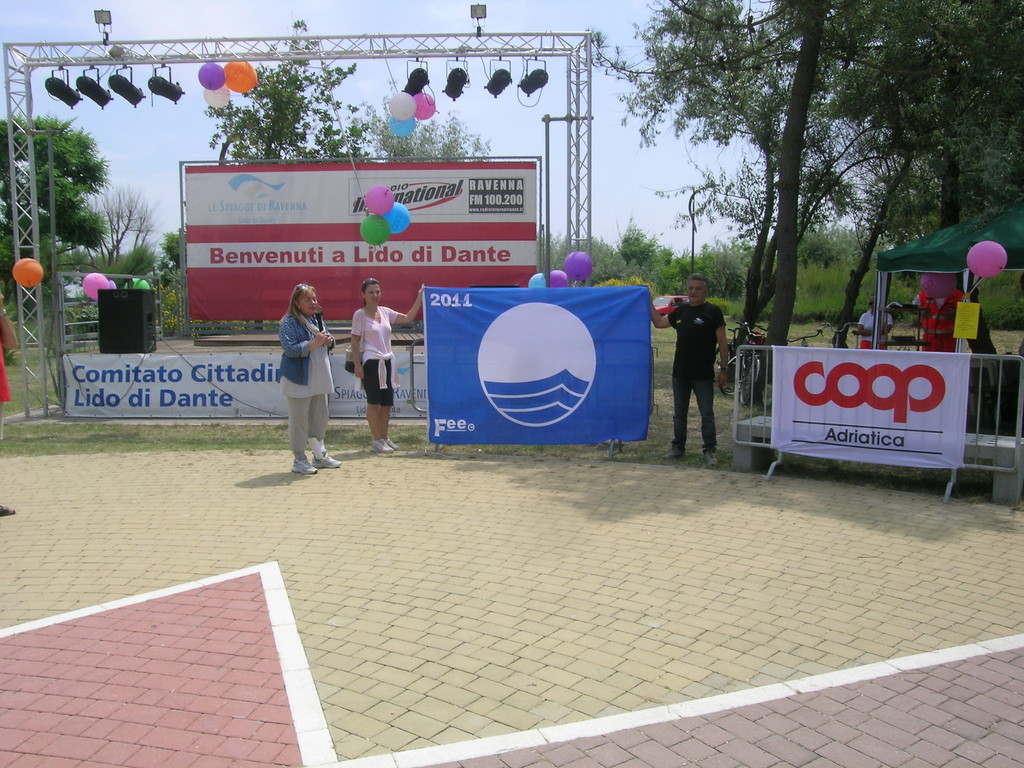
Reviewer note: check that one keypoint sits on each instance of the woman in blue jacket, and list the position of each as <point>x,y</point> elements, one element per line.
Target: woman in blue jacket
<point>306,379</point>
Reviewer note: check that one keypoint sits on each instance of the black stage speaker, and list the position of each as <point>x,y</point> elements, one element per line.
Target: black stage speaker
<point>127,321</point>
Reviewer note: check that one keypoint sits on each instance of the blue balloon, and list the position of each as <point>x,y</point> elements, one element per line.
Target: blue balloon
<point>402,127</point>
<point>398,217</point>
<point>537,281</point>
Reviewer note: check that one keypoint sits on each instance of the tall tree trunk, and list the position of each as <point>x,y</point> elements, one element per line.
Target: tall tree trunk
<point>789,168</point>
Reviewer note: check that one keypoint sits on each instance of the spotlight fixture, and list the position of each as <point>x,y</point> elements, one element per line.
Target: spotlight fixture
<point>91,88</point>
<point>162,86</point>
<point>102,19</point>
<point>125,88</point>
<point>418,80</point>
<point>534,81</point>
<point>478,12</point>
<point>458,79</point>
<point>59,88</point>
<point>501,78</point>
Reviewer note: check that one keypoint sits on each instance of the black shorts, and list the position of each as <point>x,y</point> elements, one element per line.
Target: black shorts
<point>371,384</point>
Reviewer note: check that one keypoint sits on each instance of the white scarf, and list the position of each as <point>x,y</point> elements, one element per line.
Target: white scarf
<point>382,370</point>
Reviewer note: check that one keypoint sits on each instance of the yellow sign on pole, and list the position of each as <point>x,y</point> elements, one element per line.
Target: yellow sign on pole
<point>968,316</point>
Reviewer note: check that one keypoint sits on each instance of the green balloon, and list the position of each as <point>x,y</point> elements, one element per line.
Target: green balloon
<point>140,283</point>
<point>375,229</point>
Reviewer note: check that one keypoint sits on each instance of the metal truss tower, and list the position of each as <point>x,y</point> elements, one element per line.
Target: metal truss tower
<point>21,59</point>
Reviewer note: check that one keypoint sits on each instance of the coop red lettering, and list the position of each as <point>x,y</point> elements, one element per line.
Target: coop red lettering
<point>899,401</point>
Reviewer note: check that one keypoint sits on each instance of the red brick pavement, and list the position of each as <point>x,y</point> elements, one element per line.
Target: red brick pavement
<point>189,680</point>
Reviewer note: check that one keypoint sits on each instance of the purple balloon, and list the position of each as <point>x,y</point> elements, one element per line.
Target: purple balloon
<point>211,76</point>
<point>558,279</point>
<point>578,266</point>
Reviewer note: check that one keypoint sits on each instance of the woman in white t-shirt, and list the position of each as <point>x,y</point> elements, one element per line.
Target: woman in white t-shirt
<point>374,360</point>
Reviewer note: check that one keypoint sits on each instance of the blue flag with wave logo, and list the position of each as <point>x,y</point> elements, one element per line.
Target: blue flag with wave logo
<point>538,366</point>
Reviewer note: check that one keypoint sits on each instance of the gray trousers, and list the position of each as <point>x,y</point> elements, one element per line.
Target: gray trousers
<point>307,417</point>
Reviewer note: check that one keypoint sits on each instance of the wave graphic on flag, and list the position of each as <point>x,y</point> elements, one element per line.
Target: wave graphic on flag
<point>539,402</point>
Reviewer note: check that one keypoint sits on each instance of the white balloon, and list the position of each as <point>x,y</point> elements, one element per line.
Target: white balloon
<point>402,106</point>
<point>219,98</point>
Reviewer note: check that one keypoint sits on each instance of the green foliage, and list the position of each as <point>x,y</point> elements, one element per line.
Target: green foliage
<point>292,113</point>
<point>168,262</point>
<point>828,247</point>
<point>170,319</point>
<point>79,173</point>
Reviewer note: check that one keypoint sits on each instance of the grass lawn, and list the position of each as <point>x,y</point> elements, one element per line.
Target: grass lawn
<point>59,436</point>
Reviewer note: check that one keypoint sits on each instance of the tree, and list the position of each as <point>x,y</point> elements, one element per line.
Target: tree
<point>292,113</point>
<point>129,221</point>
<point>79,173</point>
<point>447,138</point>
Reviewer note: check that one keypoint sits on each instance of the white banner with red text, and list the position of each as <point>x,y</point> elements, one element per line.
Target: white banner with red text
<point>221,385</point>
<point>875,406</point>
<point>256,231</point>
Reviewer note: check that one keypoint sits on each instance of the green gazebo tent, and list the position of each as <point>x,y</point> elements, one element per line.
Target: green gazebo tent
<point>946,250</point>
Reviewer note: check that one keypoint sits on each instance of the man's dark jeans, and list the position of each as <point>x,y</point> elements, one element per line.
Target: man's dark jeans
<point>704,391</point>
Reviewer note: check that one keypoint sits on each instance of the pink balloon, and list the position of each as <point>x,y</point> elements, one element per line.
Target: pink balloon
<point>379,200</point>
<point>92,283</point>
<point>987,258</point>
<point>425,106</point>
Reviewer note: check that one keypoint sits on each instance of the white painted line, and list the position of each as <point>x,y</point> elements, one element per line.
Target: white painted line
<point>316,747</point>
<point>111,605</point>
<point>494,745</point>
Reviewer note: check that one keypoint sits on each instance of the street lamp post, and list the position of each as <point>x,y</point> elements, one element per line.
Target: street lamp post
<point>693,224</point>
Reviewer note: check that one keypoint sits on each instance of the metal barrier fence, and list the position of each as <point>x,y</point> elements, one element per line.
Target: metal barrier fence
<point>993,421</point>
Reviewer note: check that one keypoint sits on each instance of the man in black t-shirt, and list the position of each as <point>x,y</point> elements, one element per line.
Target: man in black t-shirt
<point>700,330</point>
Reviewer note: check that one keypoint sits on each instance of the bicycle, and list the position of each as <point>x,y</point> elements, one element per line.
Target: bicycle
<point>746,371</point>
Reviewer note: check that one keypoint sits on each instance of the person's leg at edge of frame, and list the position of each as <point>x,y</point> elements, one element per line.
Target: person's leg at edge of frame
<point>680,406</point>
<point>705,394</point>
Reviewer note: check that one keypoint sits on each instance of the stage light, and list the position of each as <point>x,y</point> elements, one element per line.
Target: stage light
<point>501,78</point>
<point>125,88</point>
<point>91,88</point>
<point>102,19</point>
<point>478,12</point>
<point>162,86</point>
<point>457,80</point>
<point>418,80</point>
<point>58,88</point>
<point>534,81</point>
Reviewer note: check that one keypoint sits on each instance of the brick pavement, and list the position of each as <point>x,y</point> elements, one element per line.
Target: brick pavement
<point>443,600</point>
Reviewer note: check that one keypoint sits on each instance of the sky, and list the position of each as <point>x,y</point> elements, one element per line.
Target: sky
<point>144,146</point>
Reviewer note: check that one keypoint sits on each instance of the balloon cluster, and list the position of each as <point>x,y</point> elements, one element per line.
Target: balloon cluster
<point>218,82</point>
<point>578,267</point>
<point>27,273</point>
<point>407,110</point>
<point>386,217</point>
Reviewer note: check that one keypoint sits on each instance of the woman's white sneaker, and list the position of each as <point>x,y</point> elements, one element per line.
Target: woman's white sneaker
<point>381,447</point>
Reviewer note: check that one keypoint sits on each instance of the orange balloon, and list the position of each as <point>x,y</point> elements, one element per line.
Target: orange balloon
<point>239,76</point>
<point>27,273</point>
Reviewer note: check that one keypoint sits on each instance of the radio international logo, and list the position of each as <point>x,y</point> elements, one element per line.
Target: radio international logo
<point>536,364</point>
